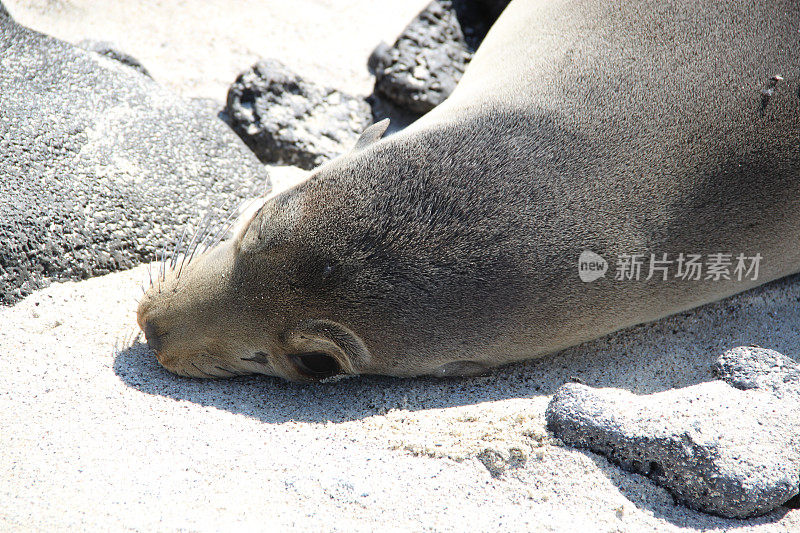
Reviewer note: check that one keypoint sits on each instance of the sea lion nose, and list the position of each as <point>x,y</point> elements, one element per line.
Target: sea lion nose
<point>153,339</point>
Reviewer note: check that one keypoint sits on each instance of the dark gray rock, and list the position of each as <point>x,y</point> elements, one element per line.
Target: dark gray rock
<point>286,119</point>
<point>730,451</point>
<point>100,167</point>
<point>3,11</point>
<point>751,367</point>
<point>492,8</point>
<point>426,62</point>
<point>109,50</point>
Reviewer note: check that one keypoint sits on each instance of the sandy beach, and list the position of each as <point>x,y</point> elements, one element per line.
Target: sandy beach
<point>95,435</point>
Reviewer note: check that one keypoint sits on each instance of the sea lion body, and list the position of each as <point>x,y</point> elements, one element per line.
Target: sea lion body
<point>624,129</point>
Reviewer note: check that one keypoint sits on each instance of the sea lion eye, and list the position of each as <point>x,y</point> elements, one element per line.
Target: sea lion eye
<point>316,273</point>
<point>315,365</point>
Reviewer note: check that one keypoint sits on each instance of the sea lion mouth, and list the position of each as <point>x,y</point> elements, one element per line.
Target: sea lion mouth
<point>315,365</point>
<point>154,341</point>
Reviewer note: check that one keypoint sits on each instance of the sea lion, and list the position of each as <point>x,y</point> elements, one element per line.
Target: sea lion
<point>495,228</point>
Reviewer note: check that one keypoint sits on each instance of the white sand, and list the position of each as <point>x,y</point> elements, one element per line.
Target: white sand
<point>95,435</point>
<point>197,48</point>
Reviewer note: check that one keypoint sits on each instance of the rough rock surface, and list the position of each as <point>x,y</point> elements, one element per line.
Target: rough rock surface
<point>747,368</point>
<point>100,168</point>
<point>728,447</point>
<point>109,50</point>
<point>286,119</point>
<point>492,8</point>
<point>426,62</point>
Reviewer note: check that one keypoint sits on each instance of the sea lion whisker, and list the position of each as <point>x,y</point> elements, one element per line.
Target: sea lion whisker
<point>223,228</point>
<point>125,339</point>
<point>185,255</point>
<point>230,221</point>
<point>193,243</point>
<point>176,251</point>
<point>222,209</point>
<point>210,213</point>
<point>201,233</point>
<point>218,208</point>
<point>163,264</point>
<point>207,229</point>
<point>188,247</point>
<point>159,256</point>
<point>130,338</point>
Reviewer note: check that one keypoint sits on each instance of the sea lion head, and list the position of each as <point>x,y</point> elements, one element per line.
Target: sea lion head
<point>303,291</point>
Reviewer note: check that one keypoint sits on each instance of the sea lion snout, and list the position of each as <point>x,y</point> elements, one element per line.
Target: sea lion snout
<point>193,322</point>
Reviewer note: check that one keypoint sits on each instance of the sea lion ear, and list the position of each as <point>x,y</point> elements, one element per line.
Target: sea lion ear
<point>371,134</point>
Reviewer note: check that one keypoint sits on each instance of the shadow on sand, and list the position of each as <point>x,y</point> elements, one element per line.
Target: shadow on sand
<point>675,352</point>
<point>669,509</point>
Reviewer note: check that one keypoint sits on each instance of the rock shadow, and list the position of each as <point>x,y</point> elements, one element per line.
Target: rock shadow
<point>663,505</point>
